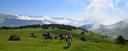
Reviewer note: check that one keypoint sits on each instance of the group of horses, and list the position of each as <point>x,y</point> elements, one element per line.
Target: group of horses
<point>47,37</point>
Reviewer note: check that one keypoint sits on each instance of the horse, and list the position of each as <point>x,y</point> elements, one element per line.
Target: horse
<point>61,36</point>
<point>47,37</point>
<point>68,40</point>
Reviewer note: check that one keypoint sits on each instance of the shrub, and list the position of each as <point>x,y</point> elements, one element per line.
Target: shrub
<point>83,39</point>
<point>96,41</point>
<point>14,37</point>
<point>55,37</point>
<point>120,40</point>
<point>126,40</point>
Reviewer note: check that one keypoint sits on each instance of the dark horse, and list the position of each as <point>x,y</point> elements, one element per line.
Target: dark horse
<point>61,36</point>
<point>47,37</point>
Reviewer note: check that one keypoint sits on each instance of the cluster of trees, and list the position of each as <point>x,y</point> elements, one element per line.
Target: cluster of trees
<point>44,26</point>
<point>120,40</point>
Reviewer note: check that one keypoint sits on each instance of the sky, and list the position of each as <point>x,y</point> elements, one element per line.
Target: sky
<point>93,11</point>
<point>42,7</point>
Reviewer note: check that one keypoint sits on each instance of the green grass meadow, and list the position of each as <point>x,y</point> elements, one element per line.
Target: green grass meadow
<point>93,43</point>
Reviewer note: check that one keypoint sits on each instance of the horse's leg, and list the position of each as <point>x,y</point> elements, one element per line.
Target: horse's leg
<point>44,40</point>
<point>48,40</point>
<point>69,44</point>
<point>51,39</point>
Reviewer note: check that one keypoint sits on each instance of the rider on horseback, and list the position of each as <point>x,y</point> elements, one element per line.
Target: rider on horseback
<point>69,39</point>
<point>69,35</point>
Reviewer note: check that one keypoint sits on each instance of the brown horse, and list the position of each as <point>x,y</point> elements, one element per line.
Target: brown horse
<point>47,37</point>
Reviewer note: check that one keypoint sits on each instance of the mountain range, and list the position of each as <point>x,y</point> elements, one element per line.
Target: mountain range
<point>11,21</point>
<point>19,20</point>
<point>111,31</point>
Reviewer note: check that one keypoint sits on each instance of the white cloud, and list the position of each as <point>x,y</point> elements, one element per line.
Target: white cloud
<point>75,21</point>
<point>24,17</point>
<point>100,11</point>
<point>97,11</point>
<point>1,20</point>
<point>103,11</point>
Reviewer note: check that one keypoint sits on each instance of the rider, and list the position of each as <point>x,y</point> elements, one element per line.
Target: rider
<point>69,37</point>
<point>69,34</point>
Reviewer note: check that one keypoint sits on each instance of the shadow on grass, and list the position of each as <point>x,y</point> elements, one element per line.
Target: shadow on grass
<point>66,47</point>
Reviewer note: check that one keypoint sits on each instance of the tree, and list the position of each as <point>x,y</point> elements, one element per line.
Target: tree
<point>120,40</point>
<point>83,39</point>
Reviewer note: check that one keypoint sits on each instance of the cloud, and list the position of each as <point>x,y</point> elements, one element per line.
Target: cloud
<point>1,20</point>
<point>104,11</point>
<point>49,20</point>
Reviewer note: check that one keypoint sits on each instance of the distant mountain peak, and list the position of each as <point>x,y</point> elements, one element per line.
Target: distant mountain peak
<point>112,31</point>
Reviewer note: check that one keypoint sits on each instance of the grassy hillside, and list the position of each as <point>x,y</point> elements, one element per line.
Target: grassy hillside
<point>93,43</point>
